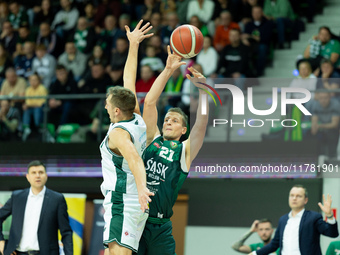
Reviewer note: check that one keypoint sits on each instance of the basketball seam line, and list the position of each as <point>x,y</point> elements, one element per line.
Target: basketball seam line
<point>182,41</point>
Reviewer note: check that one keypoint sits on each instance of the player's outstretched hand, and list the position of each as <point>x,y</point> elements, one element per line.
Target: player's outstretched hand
<point>326,207</point>
<point>197,78</point>
<point>138,34</point>
<point>174,61</point>
<point>144,198</point>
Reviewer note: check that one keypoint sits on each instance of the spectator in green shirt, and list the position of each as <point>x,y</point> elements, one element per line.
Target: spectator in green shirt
<point>333,248</point>
<point>264,229</point>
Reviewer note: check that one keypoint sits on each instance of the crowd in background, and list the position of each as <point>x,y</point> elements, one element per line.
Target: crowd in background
<point>56,47</point>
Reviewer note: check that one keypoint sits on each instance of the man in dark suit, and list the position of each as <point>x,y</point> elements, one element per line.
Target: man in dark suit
<point>37,214</point>
<point>298,232</point>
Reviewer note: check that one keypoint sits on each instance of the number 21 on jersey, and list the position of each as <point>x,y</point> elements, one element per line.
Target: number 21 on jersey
<point>166,153</point>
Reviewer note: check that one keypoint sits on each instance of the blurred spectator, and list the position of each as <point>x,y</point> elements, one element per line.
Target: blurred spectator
<point>90,12</point>
<point>109,35</point>
<point>306,80</point>
<point>195,21</point>
<point>330,79</point>
<point>9,121</point>
<point>167,6</point>
<point>156,42</point>
<point>323,46</point>
<point>222,31</point>
<point>50,40</point>
<point>13,86</point>
<point>333,248</point>
<point>5,62</point>
<point>225,5</point>
<point>149,7</point>
<point>96,83</point>
<point>156,23</point>
<point>204,9</point>
<point>258,34</point>
<point>98,57</point>
<point>151,60</point>
<point>281,12</point>
<point>234,60</point>
<point>23,63</point>
<point>18,16</point>
<point>182,10</point>
<point>45,14</point>
<point>3,13</point>
<point>84,37</point>
<point>208,57</point>
<point>174,85</point>
<point>170,25</point>
<point>105,8</point>
<point>44,65</point>
<point>325,123</point>
<point>24,36</point>
<point>246,11</point>
<point>73,60</point>
<point>8,37</point>
<point>124,20</point>
<point>66,19</point>
<point>33,107</point>
<point>118,59</point>
<point>60,108</point>
<point>147,78</point>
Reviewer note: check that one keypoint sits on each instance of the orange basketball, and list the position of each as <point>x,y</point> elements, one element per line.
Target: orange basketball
<point>186,41</point>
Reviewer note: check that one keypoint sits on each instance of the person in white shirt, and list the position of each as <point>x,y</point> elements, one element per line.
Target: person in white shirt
<point>298,232</point>
<point>37,214</point>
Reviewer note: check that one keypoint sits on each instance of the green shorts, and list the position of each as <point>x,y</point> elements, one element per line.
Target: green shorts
<point>157,239</point>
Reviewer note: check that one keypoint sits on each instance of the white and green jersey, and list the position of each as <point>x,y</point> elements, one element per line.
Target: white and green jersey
<point>116,172</point>
<point>166,171</point>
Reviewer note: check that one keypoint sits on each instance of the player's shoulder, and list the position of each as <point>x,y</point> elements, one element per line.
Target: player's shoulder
<point>20,192</point>
<point>55,194</point>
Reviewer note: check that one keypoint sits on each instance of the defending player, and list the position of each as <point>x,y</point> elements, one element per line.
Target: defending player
<point>166,159</point>
<point>124,185</point>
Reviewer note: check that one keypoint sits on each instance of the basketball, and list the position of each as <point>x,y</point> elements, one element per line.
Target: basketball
<point>186,41</point>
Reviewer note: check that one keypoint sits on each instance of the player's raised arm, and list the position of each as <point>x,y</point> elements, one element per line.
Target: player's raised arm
<point>150,111</point>
<point>194,143</point>
<point>121,140</point>
<point>130,70</point>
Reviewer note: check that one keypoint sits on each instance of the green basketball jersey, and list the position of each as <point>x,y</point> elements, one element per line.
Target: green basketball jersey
<point>166,171</point>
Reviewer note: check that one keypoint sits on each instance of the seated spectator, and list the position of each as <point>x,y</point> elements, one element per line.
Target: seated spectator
<point>246,10</point>
<point>5,62</point>
<point>147,78</point>
<point>203,9</point>
<point>90,12</point>
<point>24,35</point>
<point>234,60</point>
<point>33,107</point>
<point>23,63</point>
<point>156,23</point>
<point>44,15</point>
<point>84,36</point>
<point>167,6</point>
<point>222,31</point>
<point>257,35</point>
<point>13,86</point>
<point>208,57</point>
<point>148,8</point>
<point>109,35</point>
<point>66,19</point>
<point>4,12</point>
<point>329,79</point>
<point>8,38</point>
<point>18,16</point>
<point>151,60</point>
<point>9,121</point>
<point>60,108</point>
<point>156,42</point>
<point>103,9</point>
<point>333,248</point>
<point>281,12</point>
<point>174,85</point>
<point>325,123</point>
<point>323,46</point>
<point>306,80</point>
<point>50,40</point>
<point>44,65</point>
<point>171,24</point>
<point>124,20</point>
<point>98,57</point>
<point>73,60</point>
<point>195,21</point>
<point>96,83</point>
<point>118,59</point>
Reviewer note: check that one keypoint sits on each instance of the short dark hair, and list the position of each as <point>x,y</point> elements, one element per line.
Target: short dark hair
<point>265,220</point>
<point>35,163</point>
<point>122,98</point>
<point>60,67</point>
<point>184,116</point>
<point>301,186</point>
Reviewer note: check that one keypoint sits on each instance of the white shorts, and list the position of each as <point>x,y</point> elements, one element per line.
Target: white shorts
<point>124,220</point>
